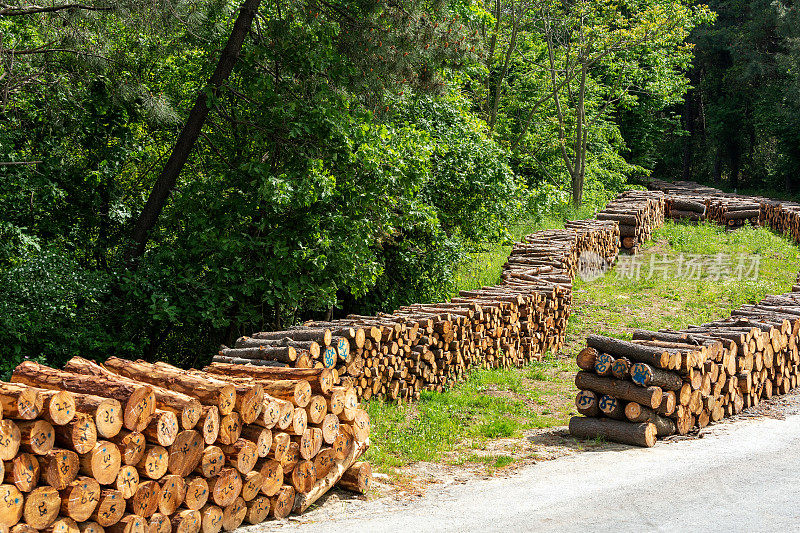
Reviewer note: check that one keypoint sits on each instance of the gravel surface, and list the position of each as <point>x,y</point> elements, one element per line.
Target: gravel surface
<point>740,475</point>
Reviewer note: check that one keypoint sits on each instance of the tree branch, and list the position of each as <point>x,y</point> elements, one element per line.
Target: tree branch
<point>33,10</point>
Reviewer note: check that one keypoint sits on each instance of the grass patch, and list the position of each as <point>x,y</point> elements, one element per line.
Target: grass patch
<point>490,404</point>
<point>685,275</point>
<point>494,404</point>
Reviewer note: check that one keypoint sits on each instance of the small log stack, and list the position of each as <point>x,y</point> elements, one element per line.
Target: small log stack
<point>638,213</point>
<point>431,346</point>
<point>132,446</point>
<point>680,380</point>
<point>734,211</point>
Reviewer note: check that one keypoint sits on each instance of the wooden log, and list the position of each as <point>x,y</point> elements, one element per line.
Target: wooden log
<point>138,401</point>
<point>668,403</point>
<point>107,413</point>
<point>330,428</point>
<point>91,527</point>
<point>213,393</point>
<point>59,467</point>
<point>23,472</point>
<point>23,528</point>
<point>230,428</point>
<point>344,442</point>
<point>360,425</point>
<point>59,406</point>
<point>41,507</point>
<point>296,392</point>
<point>357,478</point>
<point>131,445</point>
<point>311,347</point>
<point>154,463</point>
<point>233,515</point>
<point>159,523</point>
<point>321,335</point>
<point>173,493</point>
<point>146,499</point>
<point>197,493</point>
<point>251,485</point>
<point>603,364</point>
<point>79,435</point>
<point>257,510</point>
<point>304,476</point>
<point>10,439</point>
<point>323,462</point>
<point>187,521</point>
<point>642,354</point>
<point>225,488</point>
<point>242,455</point>
<point>103,462</point>
<point>11,505</point>
<point>635,412</point>
<point>316,409</point>
<point>127,481</point>
<point>80,499</point>
<point>20,402</point>
<point>299,422</point>
<point>130,523</point>
<point>621,368</point>
<point>272,476</point>
<point>646,376</point>
<point>643,434</point>
<point>648,396</point>
<point>212,461</point>
<point>63,524</point>
<point>260,436</point>
<point>36,436</point>
<point>320,379</point>
<point>291,458</point>
<point>211,519</point>
<point>281,504</point>
<point>209,423</point>
<point>185,453</point>
<point>283,354</point>
<point>110,509</point>
<point>304,501</point>
<point>186,408</point>
<point>163,429</point>
<point>611,407</point>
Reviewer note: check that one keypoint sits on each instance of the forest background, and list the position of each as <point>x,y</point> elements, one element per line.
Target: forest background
<point>177,173</point>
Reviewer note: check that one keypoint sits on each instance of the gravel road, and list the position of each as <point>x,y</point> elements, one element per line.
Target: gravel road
<point>741,476</point>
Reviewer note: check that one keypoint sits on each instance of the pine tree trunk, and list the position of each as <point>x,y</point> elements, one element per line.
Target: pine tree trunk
<point>191,131</point>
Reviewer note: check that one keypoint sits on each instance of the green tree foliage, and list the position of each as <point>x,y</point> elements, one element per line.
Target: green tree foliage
<point>336,167</point>
<point>743,115</point>
<point>564,73</point>
<point>356,152</point>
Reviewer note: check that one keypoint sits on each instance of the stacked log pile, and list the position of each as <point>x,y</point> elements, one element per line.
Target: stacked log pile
<point>135,447</point>
<point>431,346</point>
<point>726,209</point>
<point>638,213</point>
<point>782,217</point>
<point>734,211</point>
<point>666,382</point>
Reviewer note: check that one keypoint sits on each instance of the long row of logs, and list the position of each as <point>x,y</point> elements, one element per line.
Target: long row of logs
<point>135,447</point>
<point>666,382</point>
<point>428,347</point>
